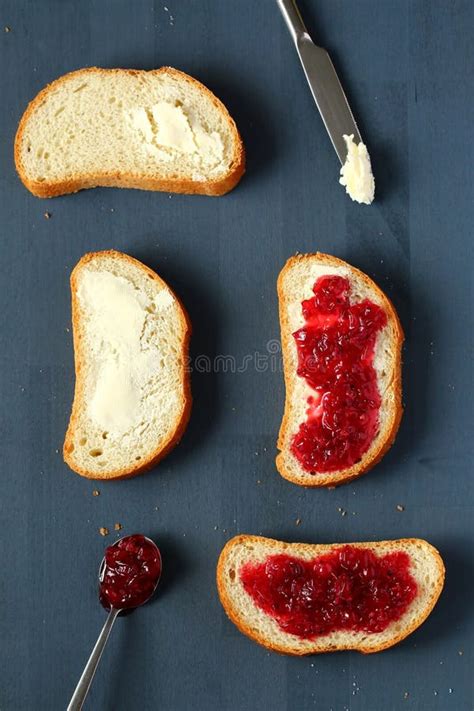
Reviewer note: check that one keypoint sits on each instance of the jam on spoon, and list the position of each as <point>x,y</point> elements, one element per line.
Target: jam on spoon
<point>129,575</point>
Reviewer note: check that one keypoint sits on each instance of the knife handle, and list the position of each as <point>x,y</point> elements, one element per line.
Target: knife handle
<point>293,19</point>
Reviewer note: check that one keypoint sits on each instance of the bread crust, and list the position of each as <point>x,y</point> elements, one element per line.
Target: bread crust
<point>386,437</point>
<point>79,399</point>
<point>120,179</point>
<point>319,549</point>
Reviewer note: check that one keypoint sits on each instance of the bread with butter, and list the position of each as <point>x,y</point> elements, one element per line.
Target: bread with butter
<point>152,130</point>
<point>132,396</point>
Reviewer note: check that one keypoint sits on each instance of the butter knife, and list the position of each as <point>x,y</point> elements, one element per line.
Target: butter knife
<point>323,82</point>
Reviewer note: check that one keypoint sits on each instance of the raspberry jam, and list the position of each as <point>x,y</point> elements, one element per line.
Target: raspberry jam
<point>349,588</point>
<point>335,356</point>
<point>130,573</point>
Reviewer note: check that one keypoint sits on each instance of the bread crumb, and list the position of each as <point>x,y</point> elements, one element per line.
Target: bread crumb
<point>96,492</point>
<point>258,481</point>
<point>400,507</point>
<point>298,521</point>
<point>103,531</point>
<point>406,695</point>
<point>48,215</point>
<point>215,528</point>
<point>330,488</point>
<point>450,691</point>
<point>460,652</point>
<point>7,29</point>
<point>117,526</point>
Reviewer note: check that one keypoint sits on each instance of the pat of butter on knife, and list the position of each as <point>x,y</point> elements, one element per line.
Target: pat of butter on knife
<point>356,173</point>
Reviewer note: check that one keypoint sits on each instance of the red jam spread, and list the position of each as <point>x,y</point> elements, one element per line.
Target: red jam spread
<point>335,356</point>
<point>349,588</point>
<point>130,573</point>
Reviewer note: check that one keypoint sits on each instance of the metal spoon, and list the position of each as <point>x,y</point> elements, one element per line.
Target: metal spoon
<point>83,686</point>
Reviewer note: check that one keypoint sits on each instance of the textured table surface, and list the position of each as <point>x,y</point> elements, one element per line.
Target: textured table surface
<point>407,67</point>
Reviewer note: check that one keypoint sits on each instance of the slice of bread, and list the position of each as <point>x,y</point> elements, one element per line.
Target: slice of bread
<point>426,567</point>
<point>295,284</point>
<point>132,398</point>
<point>124,128</point>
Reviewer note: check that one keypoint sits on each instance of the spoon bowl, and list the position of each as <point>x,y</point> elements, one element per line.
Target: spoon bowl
<point>129,573</point>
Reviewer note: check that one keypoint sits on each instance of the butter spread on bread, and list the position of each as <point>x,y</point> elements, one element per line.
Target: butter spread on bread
<point>132,397</point>
<point>153,130</point>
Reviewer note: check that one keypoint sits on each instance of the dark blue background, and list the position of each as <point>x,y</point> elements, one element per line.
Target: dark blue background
<point>407,67</point>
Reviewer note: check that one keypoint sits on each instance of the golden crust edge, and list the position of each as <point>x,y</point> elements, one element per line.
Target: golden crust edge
<point>77,404</point>
<point>217,187</point>
<point>390,432</point>
<point>243,627</point>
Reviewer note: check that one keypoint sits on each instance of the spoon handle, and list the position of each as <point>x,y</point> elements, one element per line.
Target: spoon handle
<point>85,681</point>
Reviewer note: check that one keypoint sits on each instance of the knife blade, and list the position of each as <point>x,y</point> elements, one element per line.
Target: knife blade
<point>323,81</point>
